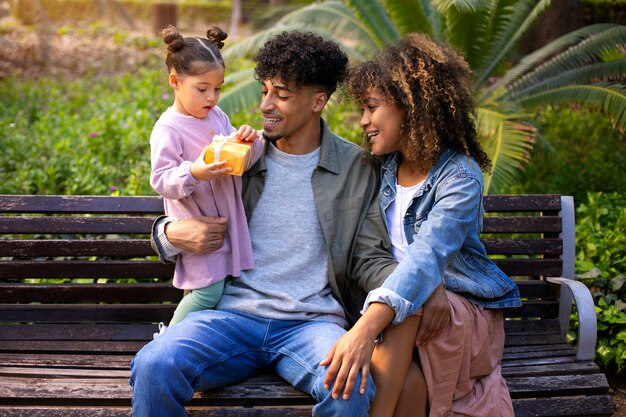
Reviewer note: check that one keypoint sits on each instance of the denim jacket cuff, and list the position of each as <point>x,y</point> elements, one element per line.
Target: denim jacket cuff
<point>402,307</point>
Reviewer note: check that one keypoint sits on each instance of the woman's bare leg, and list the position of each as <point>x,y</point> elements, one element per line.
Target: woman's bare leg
<point>390,365</point>
<point>413,399</point>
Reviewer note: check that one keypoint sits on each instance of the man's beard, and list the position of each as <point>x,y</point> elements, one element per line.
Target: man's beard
<point>271,139</point>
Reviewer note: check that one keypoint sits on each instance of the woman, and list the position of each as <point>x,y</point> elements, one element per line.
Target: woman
<point>419,120</point>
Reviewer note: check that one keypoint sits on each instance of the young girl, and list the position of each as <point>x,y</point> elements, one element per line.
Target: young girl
<point>419,118</point>
<point>188,185</point>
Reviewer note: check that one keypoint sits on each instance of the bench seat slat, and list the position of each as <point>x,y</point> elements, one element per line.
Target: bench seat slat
<point>96,345</point>
<point>544,386</point>
<point>579,406</point>
<point>40,363</point>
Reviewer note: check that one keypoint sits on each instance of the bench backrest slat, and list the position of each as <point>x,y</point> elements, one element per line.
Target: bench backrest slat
<point>75,225</point>
<point>80,204</point>
<point>75,248</point>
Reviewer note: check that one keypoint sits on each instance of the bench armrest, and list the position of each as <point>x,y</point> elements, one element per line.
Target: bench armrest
<point>587,329</point>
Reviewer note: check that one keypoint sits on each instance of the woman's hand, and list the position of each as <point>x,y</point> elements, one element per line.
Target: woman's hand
<point>435,317</point>
<point>351,355</point>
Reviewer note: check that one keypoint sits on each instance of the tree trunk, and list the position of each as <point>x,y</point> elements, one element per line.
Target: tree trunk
<point>562,17</point>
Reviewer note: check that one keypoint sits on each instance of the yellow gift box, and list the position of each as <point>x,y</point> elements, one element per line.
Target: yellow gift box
<point>237,154</point>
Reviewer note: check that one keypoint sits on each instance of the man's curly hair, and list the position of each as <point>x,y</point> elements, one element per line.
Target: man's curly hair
<point>432,84</point>
<point>303,57</point>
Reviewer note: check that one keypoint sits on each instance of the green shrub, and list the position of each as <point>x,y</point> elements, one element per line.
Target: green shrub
<point>601,264</point>
<point>583,154</point>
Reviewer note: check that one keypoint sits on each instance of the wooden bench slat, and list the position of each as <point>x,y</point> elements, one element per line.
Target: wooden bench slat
<point>581,406</point>
<point>96,345</point>
<point>80,204</point>
<point>85,313</point>
<point>530,267</point>
<point>522,203</point>
<point>129,248</point>
<point>522,224</point>
<point>38,362</point>
<point>520,246</point>
<point>77,332</point>
<point>106,292</point>
<point>75,225</point>
<point>86,269</point>
<point>544,386</point>
<point>142,247</point>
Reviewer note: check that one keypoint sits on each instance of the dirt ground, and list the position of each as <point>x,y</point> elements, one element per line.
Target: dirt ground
<point>28,54</point>
<point>618,392</point>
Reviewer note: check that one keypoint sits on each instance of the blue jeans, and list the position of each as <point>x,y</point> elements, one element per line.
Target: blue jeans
<point>213,348</point>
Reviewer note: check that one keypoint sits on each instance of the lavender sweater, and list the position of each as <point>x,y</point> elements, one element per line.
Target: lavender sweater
<point>176,142</point>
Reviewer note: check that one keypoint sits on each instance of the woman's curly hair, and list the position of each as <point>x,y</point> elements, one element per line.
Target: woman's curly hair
<point>302,57</point>
<point>193,56</point>
<point>433,85</point>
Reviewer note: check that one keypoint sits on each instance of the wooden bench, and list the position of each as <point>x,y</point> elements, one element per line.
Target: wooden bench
<point>65,347</point>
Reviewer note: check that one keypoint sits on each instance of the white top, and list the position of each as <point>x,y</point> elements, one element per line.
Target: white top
<point>395,215</point>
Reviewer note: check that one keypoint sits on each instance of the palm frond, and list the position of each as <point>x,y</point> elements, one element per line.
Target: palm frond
<point>462,6</point>
<point>508,141</point>
<point>467,33</point>
<point>520,19</point>
<point>337,18</point>
<point>587,51</point>
<point>589,74</point>
<point>541,55</point>
<point>249,46</point>
<point>410,16</point>
<point>609,97</point>
<point>373,15</point>
<point>243,96</point>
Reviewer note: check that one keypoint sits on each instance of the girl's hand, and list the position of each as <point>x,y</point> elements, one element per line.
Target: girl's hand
<point>207,172</point>
<point>247,133</point>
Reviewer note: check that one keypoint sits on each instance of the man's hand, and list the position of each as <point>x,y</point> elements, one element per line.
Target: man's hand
<point>197,234</point>
<point>436,316</point>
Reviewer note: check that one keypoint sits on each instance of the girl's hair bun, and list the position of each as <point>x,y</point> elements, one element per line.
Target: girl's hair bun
<point>217,36</point>
<point>172,38</point>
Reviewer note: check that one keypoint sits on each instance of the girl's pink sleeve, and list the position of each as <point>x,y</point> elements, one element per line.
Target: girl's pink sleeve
<point>171,174</point>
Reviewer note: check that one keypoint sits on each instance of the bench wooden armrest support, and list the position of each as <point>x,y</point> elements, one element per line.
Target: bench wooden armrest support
<point>81,291</point>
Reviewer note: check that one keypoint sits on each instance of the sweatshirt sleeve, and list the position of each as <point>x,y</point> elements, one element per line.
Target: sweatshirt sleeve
<point>171,174</point>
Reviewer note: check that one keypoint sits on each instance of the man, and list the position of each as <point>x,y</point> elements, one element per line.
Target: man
<point>319,244</point>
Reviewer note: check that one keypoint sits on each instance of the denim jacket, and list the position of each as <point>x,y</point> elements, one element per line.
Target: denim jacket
<point>442,226</point>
